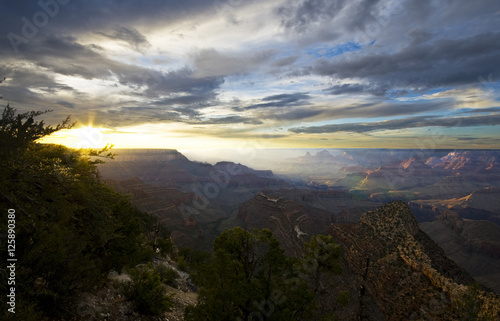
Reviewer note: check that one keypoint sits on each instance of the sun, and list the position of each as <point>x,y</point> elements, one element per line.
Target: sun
<point>90,137</point>
<point>82,137</point>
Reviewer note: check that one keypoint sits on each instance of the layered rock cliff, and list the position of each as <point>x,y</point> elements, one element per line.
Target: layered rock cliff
<point>290,222</point>
<point>401,269</point>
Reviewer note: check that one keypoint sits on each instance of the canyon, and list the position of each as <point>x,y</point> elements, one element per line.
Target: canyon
<point>450,201</point>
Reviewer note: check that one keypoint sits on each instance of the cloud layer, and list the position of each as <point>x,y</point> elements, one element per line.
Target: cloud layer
<point>269,69</point>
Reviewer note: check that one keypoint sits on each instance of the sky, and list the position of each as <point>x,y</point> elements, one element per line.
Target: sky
<point>257,74</point>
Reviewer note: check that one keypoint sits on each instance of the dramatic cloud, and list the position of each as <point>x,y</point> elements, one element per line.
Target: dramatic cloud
<point>270,69</point>
<point>442,63</point>
<point>281,100</point>
<point>413,122</point>
<point>303,16</point>
<point>131,36</point>
<point>230,120</point>
<point>357,88</point>
<point>209,63</point>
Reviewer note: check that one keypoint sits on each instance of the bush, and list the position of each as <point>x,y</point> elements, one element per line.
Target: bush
<point>182,264</point>
<point>167,274</point>
<point>190,260</point>
<point>147,291</point>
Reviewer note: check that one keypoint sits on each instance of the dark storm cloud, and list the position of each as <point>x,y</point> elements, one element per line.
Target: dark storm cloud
<point>300,17</point>
<point>298,114</point>
<point>204,99</point>
<point>484,110</point>
<point>131,36</point>
<point>418,46</point>
<point>133,115</point>
<point>32,87</point>
<point>386,109</point>
<point>26,88</point>
<point>287,98</point>
<point>65,56</point>
<point>84,15</point>
<point>187,112</point>
<point>188,106</point>
<point>54,48</point>
<point>196,94</point>
<point>285,61</point>
<point>180,80</point>
<point>210,62</point>
<point>126,116</point>
<point>418,36</point>
<point>360,13</point>
<point>357,110</point>
<point>66,104</point>
<point>357,88</point>
<point>444,62</point>
<point>327,20</point>
<point>22,78</point>
<point>229,120</point>
<point>412,122</point>
<point>281,100</point>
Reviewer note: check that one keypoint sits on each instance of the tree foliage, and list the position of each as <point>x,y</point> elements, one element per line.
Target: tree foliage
<point>320,264</point>
<point>71,228</point>
<point>249,277</point>
<point>147,289</point>
<point>17,131</point>
<point>321,256</point>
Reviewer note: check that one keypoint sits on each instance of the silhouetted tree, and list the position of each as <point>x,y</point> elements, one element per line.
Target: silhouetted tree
<point>19,130</point>
<point>71,228</point>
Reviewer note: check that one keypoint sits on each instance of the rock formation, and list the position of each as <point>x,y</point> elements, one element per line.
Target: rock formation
<point>400,268</point>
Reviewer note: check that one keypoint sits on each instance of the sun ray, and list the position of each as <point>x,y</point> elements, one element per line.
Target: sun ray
<point>82,137</point>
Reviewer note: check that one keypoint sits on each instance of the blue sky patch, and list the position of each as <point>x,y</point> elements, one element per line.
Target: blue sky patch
<point>330,52</point>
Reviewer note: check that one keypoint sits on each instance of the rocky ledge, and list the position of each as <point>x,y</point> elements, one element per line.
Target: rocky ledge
<point>400,271</point>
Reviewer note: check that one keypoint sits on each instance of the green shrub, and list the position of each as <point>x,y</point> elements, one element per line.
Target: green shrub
<point>147,291</point>
<point>182,264</point>
<point>167,274</point>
